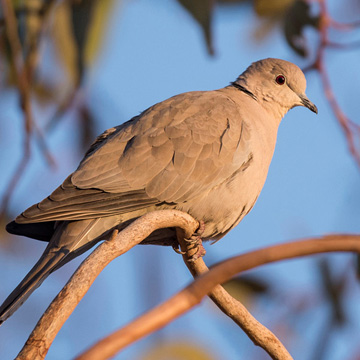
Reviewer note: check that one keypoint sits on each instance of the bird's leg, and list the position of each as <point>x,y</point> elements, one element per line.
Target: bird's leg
<point>195,242</point>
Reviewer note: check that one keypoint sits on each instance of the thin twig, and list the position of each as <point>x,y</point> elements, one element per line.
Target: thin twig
<point>23,83</point>
<point>63,305</point>
<point>23,86</point>
<point>192,295</point>
<point>348,126</point>
<point>258,333</point>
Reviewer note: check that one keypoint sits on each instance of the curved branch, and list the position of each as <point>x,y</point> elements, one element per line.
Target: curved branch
<point>257,332</point>
<point>23,77</point>
<point>41,338</point>
<point>24,92</point>
<point>192,295</point>
<point>350,128</point>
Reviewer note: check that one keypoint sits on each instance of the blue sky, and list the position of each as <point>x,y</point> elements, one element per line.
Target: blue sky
<point>153,50</point>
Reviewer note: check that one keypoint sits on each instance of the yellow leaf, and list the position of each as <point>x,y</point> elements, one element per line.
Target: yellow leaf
<point>99,21</point>
<point>271,8</point>
<point>177,351</point>
<point>64,41</point>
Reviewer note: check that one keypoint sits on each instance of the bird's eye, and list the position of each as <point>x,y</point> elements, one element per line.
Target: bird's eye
<point>280,79</point>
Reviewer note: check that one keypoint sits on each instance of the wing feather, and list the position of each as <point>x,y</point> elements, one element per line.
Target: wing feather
<point>170,153</point>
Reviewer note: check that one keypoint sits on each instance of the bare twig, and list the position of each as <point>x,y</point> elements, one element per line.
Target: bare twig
<point>23,86</point>
<point>31,63</point>
<point>350,128</point>
<point>193,294</point>
<point>22,79</point>
<point>60,309</point>
<point>258,333</point>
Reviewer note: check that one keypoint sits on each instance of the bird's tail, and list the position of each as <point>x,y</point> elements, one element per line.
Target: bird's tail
<point>41,270</point>
<point>69,240</point>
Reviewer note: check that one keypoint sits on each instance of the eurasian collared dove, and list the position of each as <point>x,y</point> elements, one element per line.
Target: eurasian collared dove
<point>205,152</point>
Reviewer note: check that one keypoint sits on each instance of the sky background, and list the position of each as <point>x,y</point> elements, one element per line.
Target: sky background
<point>151,51</point>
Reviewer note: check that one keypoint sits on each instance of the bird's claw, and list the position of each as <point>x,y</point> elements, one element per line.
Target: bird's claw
<point>194,243</point>
<point>200,252</point>
<point>177,250</point>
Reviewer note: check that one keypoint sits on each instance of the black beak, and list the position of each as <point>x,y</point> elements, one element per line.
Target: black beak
<point>307,103</point>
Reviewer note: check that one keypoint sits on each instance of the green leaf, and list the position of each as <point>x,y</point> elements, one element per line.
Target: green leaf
<point>63,37</point>
<point>245,288</point>
<point>81,15</point>
<point>202,10</point>
<point>271,8</point>
<point>297,18</point>
<point>100,19</point>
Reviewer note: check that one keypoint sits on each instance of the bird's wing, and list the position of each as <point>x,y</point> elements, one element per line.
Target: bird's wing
<point>170,153</point>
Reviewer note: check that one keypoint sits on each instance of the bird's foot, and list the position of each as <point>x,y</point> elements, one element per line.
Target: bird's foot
<point>177,250</point>
<point>194,244</point>
<point>199,253</point>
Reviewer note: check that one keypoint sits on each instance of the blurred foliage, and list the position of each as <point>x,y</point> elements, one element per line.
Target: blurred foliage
<point>176,350</point>
<point>297,17</point>
<point>294,14</point>
<point>246,288</point>
<point>75,29</point>
<point>334,288</point>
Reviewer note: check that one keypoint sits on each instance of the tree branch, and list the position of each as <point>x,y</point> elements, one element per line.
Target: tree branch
<point>23,76</point>
<point>201,286</point>
<point>63,305</point>
<point>23,86</point>
<point>258,333</point>
<point>350,128</point>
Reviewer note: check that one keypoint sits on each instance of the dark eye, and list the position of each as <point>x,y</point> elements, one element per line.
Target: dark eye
<point>280,79</point>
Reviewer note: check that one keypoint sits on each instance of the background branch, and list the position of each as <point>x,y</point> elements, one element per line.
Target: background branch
<point>192,295</point>
<point>23,85</point>
<point>65,302</point>
<point>258,333</point>
<point>23,75</point>
<point>350,128</point>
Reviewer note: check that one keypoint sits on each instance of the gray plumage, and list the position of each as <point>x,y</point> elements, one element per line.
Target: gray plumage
<point>206,153</point>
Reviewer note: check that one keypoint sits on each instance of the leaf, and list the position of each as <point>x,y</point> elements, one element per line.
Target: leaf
<point>202,10</point>
<point>87,127</point>
<point>99,22</point>
<point>45,93</point>
<point>245,288</point>
<point>78,31</point>
<point>271,8</point>
<point>334,289</point>
<point>231,1</point>
<point>81,15</point>
<point>5,237</point>
<point>297,18</point>
<point>64,41</point>
<point>177,350</point>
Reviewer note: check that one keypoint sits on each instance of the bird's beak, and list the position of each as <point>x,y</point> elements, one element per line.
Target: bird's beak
<point>307,103</point>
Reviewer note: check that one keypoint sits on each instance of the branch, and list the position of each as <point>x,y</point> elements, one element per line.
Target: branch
<point>22,73</point>
<point>201,286</point>
<point>23,86</point>
<point>349,127</point>
<point>258,333</point>
<point>63,305</point>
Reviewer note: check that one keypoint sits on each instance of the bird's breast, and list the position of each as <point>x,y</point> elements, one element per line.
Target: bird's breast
<point>225,205</point>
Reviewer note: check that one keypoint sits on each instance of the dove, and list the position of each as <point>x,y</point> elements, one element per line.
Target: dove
<point>206,153</point>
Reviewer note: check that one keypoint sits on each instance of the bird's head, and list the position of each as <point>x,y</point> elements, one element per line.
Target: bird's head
<point>277,84</point>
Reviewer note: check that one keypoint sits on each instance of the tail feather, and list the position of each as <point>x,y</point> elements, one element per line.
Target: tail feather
<point>70,239</point>
<point>40,271</point>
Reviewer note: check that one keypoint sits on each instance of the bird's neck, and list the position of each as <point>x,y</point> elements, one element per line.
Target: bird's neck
<point>243,89</point>
<point>268,102</point>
